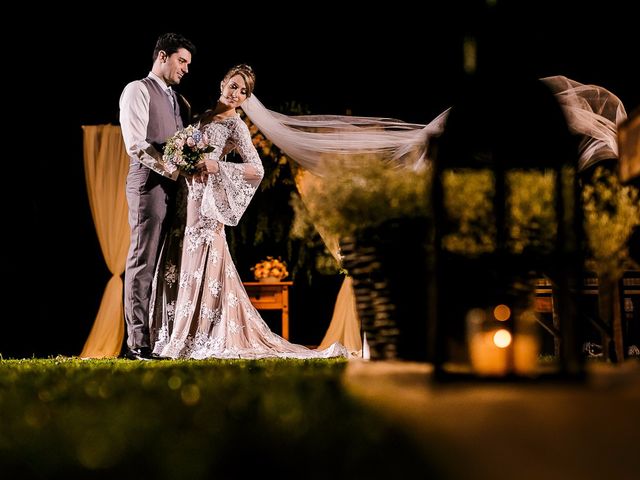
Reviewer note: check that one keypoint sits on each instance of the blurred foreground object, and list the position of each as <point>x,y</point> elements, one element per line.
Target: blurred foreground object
<point>506,213</point>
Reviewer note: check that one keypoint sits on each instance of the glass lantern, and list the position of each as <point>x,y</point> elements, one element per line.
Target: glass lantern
<point>507,214</point>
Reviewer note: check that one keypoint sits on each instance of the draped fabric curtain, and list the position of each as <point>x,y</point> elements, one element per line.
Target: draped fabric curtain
<point>106,165</point>
<point>344,326</point>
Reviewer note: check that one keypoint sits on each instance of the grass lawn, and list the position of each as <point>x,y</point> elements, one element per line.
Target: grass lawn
<point>70,418</point>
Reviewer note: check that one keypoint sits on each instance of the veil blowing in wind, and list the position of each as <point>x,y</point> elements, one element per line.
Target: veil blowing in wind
<point>591,111</point>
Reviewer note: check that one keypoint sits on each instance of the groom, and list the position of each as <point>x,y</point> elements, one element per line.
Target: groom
<point>150,112</point>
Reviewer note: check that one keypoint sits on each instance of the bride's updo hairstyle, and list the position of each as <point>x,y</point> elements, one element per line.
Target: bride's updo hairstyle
<point>246,72</point>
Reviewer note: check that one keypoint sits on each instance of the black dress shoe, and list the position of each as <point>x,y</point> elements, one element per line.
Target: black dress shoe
<point>155,356</point>
<point>140,353</point>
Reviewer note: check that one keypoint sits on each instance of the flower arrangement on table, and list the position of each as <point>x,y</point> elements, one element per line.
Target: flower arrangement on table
<point>271,268</point>
<point>185,149</point>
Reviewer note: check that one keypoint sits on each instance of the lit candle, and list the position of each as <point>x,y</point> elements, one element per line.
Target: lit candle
<point>527,344</point>
<point>525,350</point>
<point>493,351</point>
<point>489,351</point>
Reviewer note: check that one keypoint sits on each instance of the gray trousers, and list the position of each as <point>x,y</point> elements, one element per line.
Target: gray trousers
<point>151,199</point>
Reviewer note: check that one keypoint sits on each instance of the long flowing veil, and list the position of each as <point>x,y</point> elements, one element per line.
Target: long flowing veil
<point>311,139</point>
<point>592,112</point>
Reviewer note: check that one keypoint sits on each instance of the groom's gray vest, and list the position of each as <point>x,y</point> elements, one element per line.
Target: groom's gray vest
<point>164,119</point>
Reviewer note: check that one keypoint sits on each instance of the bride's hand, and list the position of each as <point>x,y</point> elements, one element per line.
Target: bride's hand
<point>199,176</point>
<point>209,166</point>
<point>206,168</point>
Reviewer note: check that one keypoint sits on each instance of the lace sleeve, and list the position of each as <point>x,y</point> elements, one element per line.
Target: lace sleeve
<point>228,192</point>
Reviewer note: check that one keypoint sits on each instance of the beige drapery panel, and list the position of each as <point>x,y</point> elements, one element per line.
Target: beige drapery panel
<point>344,326</point>
<point>106,165</point>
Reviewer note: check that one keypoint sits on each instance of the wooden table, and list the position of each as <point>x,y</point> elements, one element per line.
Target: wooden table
<point>271,296</point>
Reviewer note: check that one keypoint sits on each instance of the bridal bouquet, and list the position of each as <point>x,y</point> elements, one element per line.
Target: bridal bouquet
<point>270,268</point>
<point>185,149</point>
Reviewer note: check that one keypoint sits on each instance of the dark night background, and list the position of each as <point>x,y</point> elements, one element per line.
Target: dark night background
<point>387,61</point>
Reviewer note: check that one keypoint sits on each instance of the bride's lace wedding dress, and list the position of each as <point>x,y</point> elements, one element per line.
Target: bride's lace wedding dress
<point>212,316</point>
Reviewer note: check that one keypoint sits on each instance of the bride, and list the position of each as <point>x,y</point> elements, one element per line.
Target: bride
<point>212,316</point>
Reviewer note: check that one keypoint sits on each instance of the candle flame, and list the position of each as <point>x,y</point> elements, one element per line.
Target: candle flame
<point>502,338</point>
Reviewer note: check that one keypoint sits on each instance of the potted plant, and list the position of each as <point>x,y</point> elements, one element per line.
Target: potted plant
<point>365,192</point>
<point>380,213</point>
<point>611,211</point>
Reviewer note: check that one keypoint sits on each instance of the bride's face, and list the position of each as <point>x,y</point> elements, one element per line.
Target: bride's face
<point>234,92</point>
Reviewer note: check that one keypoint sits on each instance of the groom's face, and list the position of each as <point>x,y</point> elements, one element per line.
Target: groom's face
<point>176,66</point>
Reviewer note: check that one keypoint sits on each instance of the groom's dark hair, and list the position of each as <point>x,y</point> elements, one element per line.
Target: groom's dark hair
<point>171,43</point>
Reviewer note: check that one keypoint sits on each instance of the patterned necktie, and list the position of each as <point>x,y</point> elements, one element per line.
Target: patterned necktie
<point>176,108</point>
<point>171,98</point>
